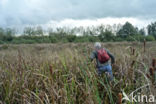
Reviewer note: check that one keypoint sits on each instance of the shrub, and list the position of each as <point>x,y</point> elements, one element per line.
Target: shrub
<point>71,38</point>
<point>82,39</point>
<point>150,38</point>
<point>93,38</point>
<point>53,39</point>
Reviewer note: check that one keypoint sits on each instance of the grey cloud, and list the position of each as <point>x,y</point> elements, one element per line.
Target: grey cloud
<point>19,12</point>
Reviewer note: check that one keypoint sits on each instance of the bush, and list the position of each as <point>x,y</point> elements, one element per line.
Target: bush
<point>139,37</point>
<point>130,38</point>
<point>16,41</point>
<point>135,38</point>
<point>106,36</point>
<point>1,42</point>
<point>64,40</point>
<point>82,39</point>
<point>150,38</point>
<point>71,38</point>
<point>7,38</point>
<point>53,39</point>
<point>93,38</point>
<point>118,39</point>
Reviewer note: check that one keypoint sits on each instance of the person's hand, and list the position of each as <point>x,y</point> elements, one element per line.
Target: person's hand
<point>113,64</point>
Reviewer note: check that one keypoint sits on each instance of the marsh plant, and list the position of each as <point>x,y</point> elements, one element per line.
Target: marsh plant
<point>60,73</point>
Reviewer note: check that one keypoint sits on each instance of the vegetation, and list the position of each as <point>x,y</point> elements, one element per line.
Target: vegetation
<point>62,74</point>
<point>102,33</point>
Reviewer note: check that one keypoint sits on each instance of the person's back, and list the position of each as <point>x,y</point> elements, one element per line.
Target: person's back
<point>105,65</point>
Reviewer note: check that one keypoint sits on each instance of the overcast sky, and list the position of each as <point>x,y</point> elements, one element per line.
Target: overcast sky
<point>76,12</point>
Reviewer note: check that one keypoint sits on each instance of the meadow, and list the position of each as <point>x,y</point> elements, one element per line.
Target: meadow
<point>62,73</point>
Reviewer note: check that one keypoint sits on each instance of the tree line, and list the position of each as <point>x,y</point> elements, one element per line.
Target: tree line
<point>103,33</point>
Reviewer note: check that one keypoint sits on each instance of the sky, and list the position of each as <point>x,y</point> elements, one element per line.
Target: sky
<point>70,13</point>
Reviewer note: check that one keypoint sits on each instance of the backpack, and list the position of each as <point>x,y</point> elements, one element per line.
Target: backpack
<point>102,55</point>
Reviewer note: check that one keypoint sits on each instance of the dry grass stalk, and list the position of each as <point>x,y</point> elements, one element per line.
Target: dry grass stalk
<point>73,76</point>
<point>144,45</point>
<point>151,71</point>
<point>133,52</point>
<point>154,63</point>
<point>120,98</point>
<point>51,70</point>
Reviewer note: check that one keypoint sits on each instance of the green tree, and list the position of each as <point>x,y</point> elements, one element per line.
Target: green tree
<point>106,36</point>
<point>61,32</point>
<point>29,31</point>
<point>10,32</point>
<point>1,33</point>
<point>50,32</point>
<point>142,32</point>
<point>127,30</point>
<point>71,38</point>
<point>152,29</point>
<point>39,31</point>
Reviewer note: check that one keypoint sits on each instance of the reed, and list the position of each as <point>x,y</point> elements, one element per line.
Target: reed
<point>60,73</point>
<point>144,45</point>
<point>120,98</point>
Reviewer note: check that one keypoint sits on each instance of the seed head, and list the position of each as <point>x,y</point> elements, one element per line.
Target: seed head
<point>154,63</point>
<point>151,71</point>
<point>120,98</point>
<point>51,70</point>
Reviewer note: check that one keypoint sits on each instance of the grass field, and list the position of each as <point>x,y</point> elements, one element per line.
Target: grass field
<point>61,73</point>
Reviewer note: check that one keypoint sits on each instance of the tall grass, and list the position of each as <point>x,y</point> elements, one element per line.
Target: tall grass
<point>60,73</point>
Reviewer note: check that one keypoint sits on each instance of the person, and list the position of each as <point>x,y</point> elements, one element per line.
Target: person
<point>103,63</point>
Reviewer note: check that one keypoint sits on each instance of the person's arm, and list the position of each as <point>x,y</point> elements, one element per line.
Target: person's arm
<point>92,56</point>
<point>111,56</point>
